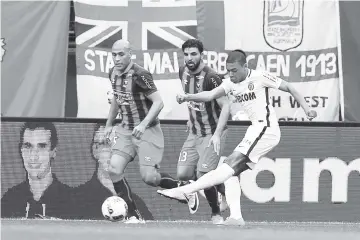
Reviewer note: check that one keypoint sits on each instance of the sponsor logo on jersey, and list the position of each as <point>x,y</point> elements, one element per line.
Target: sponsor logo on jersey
<point>244,97</point>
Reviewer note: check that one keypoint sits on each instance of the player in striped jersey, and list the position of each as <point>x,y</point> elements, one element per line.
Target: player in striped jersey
<point>250,89</point>
<point>139,133</point>
<point>197,157</point>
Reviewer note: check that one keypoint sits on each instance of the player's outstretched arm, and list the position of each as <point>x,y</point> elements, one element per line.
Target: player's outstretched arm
<point>224,115</point>
<point>288,87</point>
<point>113,112</point>
<point>206,96</point>
<point>156,107</point>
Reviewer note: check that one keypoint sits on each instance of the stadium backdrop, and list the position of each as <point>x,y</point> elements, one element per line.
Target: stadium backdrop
<point>299,41</point>
<point>313,175</point>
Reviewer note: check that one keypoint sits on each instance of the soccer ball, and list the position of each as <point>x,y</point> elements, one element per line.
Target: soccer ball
<point>114,209</point>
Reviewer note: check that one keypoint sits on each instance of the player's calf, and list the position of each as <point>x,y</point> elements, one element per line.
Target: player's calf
<point>123,190</point>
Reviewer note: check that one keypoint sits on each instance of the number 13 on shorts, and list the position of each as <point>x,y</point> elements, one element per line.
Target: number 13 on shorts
<point>183,156</point>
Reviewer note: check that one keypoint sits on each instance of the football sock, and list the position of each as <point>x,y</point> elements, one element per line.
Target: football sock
<point>212,178</point>
<point>212,198</point>
<point>221,188</point>
<point>123,190</point>
<point>233,194</point>
<point>168,182</point>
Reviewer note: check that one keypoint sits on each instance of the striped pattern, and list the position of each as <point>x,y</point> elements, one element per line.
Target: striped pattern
<point>134,105</point>
<point>203,116</point>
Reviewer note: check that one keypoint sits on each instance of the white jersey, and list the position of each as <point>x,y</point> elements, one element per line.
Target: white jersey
<point>252,95</point>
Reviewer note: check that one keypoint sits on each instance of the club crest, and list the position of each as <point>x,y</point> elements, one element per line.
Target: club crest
<point>283,25</point>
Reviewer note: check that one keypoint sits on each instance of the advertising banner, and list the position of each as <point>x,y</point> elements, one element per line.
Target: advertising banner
<point>312,175</point>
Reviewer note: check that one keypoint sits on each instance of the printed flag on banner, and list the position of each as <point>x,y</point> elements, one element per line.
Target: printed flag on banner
<point>156,30</point>
<point>296,40</point>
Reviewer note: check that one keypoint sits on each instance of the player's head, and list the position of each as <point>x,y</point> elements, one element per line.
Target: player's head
<point>236,65</point>
<point>38,141</point>
<point>193,51</point>
<point>100,148</point>
<point>121,53</point>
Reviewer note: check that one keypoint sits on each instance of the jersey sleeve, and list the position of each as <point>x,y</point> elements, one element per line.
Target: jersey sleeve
<point>146,83</point>
<point>226,85</point>
<point>212,80</point>
<point>271,81</point>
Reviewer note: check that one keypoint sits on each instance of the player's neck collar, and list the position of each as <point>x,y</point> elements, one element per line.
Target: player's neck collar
<point>131,64</point>
<point>249,73</point>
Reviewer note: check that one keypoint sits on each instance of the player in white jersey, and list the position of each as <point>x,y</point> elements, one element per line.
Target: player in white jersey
<point>250,89</point>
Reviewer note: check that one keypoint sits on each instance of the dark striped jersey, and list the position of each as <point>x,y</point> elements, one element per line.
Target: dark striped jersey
<point>203,116</point>
<point>131,89</point>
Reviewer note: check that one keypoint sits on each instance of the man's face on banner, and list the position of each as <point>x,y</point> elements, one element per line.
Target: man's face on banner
<point>36,152</point>
<point>101,149</point>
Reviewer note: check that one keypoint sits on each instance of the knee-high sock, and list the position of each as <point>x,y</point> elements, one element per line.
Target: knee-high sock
<point>233,194</point>
<point>123,190</point>
<point>212,178</point>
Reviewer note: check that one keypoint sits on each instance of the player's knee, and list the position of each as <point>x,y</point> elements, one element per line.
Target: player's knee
<point>150,176</point>
<point>115,170</point>
<point>186,173</point>
<point>238,162</point>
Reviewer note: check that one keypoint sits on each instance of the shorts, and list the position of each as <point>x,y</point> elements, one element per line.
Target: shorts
<point>258,141</point>
<point>195,152</point>
<point>149,148</point>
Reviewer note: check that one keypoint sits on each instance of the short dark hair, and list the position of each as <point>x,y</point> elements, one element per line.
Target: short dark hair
<point>236,55</point>
<point>193,43</point>
<point>36,125</point>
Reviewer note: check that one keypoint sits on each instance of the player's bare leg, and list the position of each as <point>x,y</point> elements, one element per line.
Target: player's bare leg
<point>234,165</point>
<point>117,167</point>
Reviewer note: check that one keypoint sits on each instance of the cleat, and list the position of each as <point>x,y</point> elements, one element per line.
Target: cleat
<point>234,222</point>
<point>173,193</point>
<point>191,199</point>
<point>193,202</point>
<point>133,220</point>
<point>217,219</point>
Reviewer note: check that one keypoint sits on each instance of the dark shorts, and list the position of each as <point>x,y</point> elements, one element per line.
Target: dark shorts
<point>149,148</point>
<point>195,152</point>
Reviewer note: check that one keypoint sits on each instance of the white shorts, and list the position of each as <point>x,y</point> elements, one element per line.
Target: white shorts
<point>258,141</point>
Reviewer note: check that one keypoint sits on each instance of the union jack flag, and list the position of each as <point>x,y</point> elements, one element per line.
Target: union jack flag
<point>147,24</point>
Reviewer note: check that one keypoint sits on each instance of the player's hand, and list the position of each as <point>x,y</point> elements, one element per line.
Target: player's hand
<point>180,98</point>
<point>107,132</point>
<point>187,126</point>
<point>311,114</point>
<point>215,141</point>
<point>139,130</point>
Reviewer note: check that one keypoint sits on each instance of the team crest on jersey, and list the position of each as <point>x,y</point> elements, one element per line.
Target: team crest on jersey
<point>125,83</point>
<point>283,25</point>
<point>198,86</point>
<point>251,86</point>
<point>200,77</point>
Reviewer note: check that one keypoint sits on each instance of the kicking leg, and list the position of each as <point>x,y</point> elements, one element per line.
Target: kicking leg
<point>234,165</point>
<point>233,195</point>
